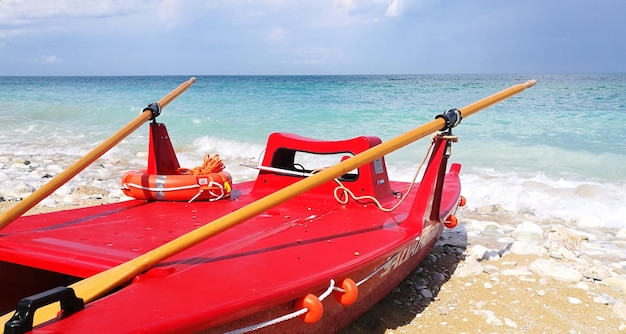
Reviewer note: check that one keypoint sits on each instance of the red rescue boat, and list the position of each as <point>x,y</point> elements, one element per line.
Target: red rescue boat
<point>311,263</point>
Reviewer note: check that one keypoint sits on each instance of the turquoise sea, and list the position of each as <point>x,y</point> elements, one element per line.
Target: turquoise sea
<point>555,151</point>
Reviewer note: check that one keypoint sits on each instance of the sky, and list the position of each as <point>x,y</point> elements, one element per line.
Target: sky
<point>289,37</point>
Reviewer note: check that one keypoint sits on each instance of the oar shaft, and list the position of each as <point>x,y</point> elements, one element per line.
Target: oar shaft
<point>27,203</point>
<point>495,98</point>
<point>165,100</point>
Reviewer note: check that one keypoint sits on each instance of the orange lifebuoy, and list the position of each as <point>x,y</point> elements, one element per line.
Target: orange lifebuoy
<point>189,187</point>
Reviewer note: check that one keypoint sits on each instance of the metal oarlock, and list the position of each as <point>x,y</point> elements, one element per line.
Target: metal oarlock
<point>155,109</point>
<point>452,117</point>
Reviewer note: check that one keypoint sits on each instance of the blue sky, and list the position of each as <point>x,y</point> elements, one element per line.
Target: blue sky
<point>193,37</point>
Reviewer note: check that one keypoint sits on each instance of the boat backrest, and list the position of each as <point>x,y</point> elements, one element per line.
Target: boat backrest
<point>291,157</point>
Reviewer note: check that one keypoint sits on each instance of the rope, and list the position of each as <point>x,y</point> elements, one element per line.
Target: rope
<point>215,196</point>
<point>285,317</point>
<point>210,165</point>
<point>137,186</point>
<point>347,193</point>
<point>295,314</point>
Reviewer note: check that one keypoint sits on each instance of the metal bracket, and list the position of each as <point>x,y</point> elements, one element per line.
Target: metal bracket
<point>452,117</point>
<point>155,109</point>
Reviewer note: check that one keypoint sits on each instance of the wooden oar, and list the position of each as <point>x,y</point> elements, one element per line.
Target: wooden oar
<point>52,185</point>
<point>96,286</point>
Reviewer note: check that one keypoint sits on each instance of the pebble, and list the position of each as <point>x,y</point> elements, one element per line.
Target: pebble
<point>477,251</point>
<point>426,293</point>
<point>49,202</point>
<point>549,269</point>
<point>437,276</point>
<point>63,190</point>
<point>616,282</point>
<point>510,323</point>
<point>489,316</point>
<point>619,309</point>
<point>582,286</point>
<point>574,300</point>
<point>528,232</point>
<point>21,176</point>
<point>469,267</point>
<point>524,248</point>
<point>603,298</point>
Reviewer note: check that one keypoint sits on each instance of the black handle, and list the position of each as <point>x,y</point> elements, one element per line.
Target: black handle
<point>22,320</point>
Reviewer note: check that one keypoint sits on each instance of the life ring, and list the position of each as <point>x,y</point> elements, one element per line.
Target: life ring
<point>187,187</point>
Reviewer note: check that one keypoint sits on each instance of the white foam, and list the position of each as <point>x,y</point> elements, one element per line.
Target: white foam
<point>583,203</point>
<point>233,154</point>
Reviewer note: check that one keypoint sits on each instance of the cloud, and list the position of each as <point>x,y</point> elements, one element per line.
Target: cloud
<point>345,5</point>
<point>48,59</point>
<point>304,36</point>
<point>26,17</point>
<point>276,34</point>
<point>393,9</point>
<point>310,56</point>
<point>24,12</point>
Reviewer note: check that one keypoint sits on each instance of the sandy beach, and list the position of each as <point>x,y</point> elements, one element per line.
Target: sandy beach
<point>496,272</point>
<point>458,290</point>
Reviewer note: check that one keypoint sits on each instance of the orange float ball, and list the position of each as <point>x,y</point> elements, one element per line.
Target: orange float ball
<point>451,222</point>
<point>315,307</point>
<point>350,293</point>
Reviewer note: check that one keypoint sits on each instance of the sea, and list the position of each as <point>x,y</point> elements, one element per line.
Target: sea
<point>556,151</point>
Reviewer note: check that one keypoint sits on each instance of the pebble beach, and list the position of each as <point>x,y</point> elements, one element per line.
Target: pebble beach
<point>494,273</point>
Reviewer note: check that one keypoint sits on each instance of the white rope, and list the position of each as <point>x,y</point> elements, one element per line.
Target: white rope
<point>137,186</point>
<point>347,193</point>
<point>269,323</point>
<point>215,196</point>
<point>328,291</point>
<point>213,184</point>
<point>285,317</point>
<point>304,310</point>
<point>278,170</point>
